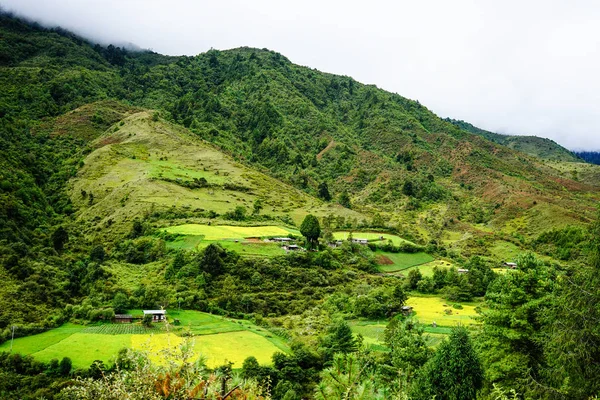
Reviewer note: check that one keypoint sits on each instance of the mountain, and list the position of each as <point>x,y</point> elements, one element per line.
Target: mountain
<point>592,157</point>
<point>303,127</point>
<point>533,145</point>
<point>131,180</point>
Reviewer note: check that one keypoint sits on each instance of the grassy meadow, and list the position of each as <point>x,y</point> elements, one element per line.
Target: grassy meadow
<point>142,165</point>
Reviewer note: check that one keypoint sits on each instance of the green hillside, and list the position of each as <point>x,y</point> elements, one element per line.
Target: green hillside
<point>147,166</point>
<point>533,145</point>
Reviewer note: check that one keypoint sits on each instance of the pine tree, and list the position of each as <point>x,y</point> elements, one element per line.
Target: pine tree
<point>453,373</point>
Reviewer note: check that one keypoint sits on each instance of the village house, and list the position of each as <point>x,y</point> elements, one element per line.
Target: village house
<point>406,310</point>
<point>291,247</point>
<point>282,239</point>
<point>360,241</point>
<point>123,318</point>
<point>157,315</point>
<point>511,265</point>
<point>462,270</point>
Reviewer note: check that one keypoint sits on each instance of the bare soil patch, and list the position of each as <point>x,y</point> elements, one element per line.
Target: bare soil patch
<point>383,260</point>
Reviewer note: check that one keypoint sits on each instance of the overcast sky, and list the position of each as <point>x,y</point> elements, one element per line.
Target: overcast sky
<point>517,67</point>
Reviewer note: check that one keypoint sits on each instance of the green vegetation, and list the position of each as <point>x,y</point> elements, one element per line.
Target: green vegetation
<point>131,180</point>
<point>532,145</point>
<point>393,262</point>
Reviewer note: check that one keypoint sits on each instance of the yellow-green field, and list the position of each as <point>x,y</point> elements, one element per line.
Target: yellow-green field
<point>198,236</point>
<point>432,308</point>
<point>427,268</point>
<point>371,237</point>
<point>217,339</point>
<point>373,333</point>
<point>224,232</point>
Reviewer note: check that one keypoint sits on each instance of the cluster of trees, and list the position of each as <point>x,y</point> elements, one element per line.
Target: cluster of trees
<point>453,285</point>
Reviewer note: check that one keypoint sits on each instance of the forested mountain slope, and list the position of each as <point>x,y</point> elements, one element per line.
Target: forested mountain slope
<point>533,145</point>
<point>592,157</point>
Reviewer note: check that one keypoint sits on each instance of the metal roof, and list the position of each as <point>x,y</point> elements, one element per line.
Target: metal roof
<point>155,312</point>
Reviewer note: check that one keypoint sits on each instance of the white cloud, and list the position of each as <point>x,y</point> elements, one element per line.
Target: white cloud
<point>512,66</point>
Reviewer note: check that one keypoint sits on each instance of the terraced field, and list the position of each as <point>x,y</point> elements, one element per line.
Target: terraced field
<point>374,237</point>
<point>245,240</point>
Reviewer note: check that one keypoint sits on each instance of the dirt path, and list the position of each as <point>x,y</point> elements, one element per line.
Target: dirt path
<point>330,146</point>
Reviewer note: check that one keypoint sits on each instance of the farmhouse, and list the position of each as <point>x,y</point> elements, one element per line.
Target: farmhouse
<point>282,239</point>
<point>511,265</point>
<point>462,270</point>
<point>406,310</point>
<point>360,241</point>
<point>123,318</point>
<point>157,315</point>
<point>291,247</point>
<point>335,244</point>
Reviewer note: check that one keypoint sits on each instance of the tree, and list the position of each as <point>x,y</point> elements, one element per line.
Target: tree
<point>340,339</point>
<point>573,348</point>
<point>311,230</point>
<point>344,200</point>
<point>137,229</point>
<point>211,260</point>
<point>65,366</point>
<point>453,373</point>
<point>414,276</point>
<point>120,303</point>
<point>258,205</point>
<point>147,320</point>
<point>324,191</point>
<point>512,340</point>
<point>408,349</point>
<point>175,266</point>
<point>98,254</point>
<point>59,238</point>
<point>408,188</point>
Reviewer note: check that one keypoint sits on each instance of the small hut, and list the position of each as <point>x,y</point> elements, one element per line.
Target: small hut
<point>406,310</point>
<point>123,318</point>
<point>157,315</point>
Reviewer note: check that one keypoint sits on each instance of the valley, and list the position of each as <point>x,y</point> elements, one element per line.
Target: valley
<point>309,236</point>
